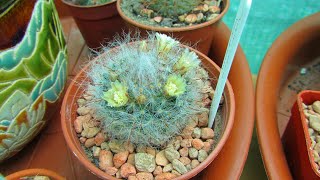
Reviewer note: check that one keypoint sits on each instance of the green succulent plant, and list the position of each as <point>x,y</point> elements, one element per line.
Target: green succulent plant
<point>141,90</point>
<point>89,2</point>
<point>171,7</point>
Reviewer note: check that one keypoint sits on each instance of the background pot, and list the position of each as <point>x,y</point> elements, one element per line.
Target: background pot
<point>34,172</point>
<point>296,139</point>
<point>200,35</point>
<point>293,49</point>
<point>33,75</point>
<point>97,23</point>
<point>69,114</point>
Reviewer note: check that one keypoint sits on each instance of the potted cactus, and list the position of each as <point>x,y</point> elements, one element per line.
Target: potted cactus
<point>33,65</point>
<point>192,21</point>
<point>140,109</point>
<point>97,20</point>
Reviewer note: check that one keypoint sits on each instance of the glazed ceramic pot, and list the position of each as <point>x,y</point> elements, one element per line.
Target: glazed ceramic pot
<point>34,172</point>
<point>97,23</point>
<point>295,47</point>
<point>297,141</point>
<point>76,89</point>
<point>200,35</point>
<point>32,73</point>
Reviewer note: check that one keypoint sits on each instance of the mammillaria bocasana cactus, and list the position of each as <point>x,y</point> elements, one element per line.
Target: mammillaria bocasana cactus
<point>146,91</point>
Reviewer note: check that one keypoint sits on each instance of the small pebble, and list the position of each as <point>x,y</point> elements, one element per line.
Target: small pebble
<point>144,176</point>
<point>89,143</point>
<point>151,151</point>
<point>105,146</point>
<point>206,146</point>
<point>167,168</point>
<point>81,102</point>
<point>105,159</point>
<point>157,171</point>
<point>202,155</point>
<point>196,133</point>
<point>207,133</point>
<point>120,158</point>
<point>161,159</point>
<point>194,163</point>
<point>316,106</point>
<point>131,159</point>
<point>193,153</point>
<point>83,111</point>
<point>111,170</point>
<point>186,132</point>
<point>127,170</point>
<point>197,143</point>
<point>185,160</point>
<point>78,125</point>
<point>157,19</point>
<point>191,18</point>
<point>175,172</point>
<point>96,151</point>
<point>132,178</point>
<point>203,119</point>
<point>184,152</point>
<point>116,146</point>
<point>186,143</point>
<point>99,139</point>
<point>171,154</point>
<point>129,147</point>
<point>315,123</point>
<point>145,162</point>
<point>82,139</point>
<point>178,166</point>
<point>165,176</point>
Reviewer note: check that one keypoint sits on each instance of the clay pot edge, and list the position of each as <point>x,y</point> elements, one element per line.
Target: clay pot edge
<point>274,160</point>
<point>178,29</point>
<point>34,172</point>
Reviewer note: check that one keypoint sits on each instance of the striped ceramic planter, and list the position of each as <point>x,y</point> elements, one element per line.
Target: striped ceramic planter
<point>33,75</point>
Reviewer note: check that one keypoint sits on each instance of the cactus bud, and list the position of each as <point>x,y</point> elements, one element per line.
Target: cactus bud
<point>117,96</point>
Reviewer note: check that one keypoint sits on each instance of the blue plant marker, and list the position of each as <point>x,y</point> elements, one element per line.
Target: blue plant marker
<point>236,32</point>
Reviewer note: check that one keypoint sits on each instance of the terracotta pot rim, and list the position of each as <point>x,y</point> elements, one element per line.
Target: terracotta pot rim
<point>34,172</point>
<point>269,83</point>
<point>307,137</point>
<point>87,7</point>
<point>95,170</point>
<point>173,29</point>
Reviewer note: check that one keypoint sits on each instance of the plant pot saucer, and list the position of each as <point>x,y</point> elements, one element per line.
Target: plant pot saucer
<point>282,76</point>
<point>229,163</point>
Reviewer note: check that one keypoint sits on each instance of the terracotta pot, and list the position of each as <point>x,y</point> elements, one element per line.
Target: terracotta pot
<point>33,75</point>
<point>34,172</point>
<point>69,107</point>
<point>12,33</point>
<point>97,23</point>
<point>296,139</point>
<point>200,35</point>
<point>62,9</point>
<point>295,47</point>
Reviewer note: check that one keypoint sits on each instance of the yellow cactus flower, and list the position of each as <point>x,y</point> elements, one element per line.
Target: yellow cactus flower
<point>117,96</point>
<point>165,43</point>
<point>187,61</point>
<point>175,86</point>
